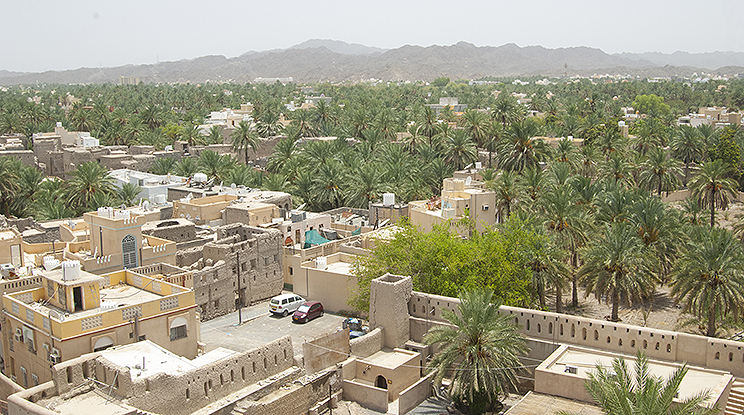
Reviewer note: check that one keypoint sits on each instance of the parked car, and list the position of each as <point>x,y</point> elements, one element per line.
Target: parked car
<point>308,311</point>
<point>285,304</point>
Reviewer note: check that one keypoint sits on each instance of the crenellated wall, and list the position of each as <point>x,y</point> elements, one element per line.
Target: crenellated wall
<point>712,353</point>
<point>178,393</point>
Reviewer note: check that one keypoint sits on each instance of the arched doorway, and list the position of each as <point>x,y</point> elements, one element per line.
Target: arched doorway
<point>381,382</point>
<point>129,252</point>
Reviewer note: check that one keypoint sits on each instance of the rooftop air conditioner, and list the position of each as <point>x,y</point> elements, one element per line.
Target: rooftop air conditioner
<point>571,369</point>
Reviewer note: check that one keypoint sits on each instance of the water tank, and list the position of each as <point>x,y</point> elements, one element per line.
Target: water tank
<point>298,216</point>
<point>321,262</point>
<point>621,123</point>
<point>160,199</point>
<point>388,199</point>
<point>200,178</point>
<point>70,270</point>
<point>478,165</point>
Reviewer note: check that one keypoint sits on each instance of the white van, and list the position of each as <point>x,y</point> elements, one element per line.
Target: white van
<point>285,304</point>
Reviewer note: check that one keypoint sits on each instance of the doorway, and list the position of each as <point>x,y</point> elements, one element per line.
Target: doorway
<point>381,382</point>
<point>77,298</point>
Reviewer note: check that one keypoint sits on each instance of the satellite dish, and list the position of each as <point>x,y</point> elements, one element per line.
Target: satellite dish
<point>468,180</point>
<point>54,314</point>
<point>233,186</point>
<point>301,206</point>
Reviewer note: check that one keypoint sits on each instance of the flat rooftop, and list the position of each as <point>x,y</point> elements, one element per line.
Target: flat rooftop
<point>539,404</point>
<point>146,359</point>
<point>390,360</point>
<point>695,381</point>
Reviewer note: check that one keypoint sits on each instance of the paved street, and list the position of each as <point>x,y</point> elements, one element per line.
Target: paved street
<point>260,327</point>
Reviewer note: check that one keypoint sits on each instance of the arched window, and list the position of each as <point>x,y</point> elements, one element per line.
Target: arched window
<point>129,252</point>
<point>103,343</point>
<point>179,328</point>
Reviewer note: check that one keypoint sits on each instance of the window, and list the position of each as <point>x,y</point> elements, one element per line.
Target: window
<point>179,329</point>
<point>102,344</point>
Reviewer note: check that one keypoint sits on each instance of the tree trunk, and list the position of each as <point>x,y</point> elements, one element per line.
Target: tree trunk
<point>575,282</point>
<point>712,208</point>
<point>558,299</point>
<point>615,304</point>
<point>658,190</point>
<point>541,295</point>
<point>711,322</point>
<point>246,155</point>
<point>687,173</point>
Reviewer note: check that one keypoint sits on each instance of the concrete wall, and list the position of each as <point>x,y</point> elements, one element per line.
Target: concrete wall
<point>368,396</point>
<point>326,351</point>
<point>368,344</point>
<point>415,394</point>
<point>329,286</point>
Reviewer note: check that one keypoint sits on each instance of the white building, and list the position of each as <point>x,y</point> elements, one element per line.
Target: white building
<point>154,187</point>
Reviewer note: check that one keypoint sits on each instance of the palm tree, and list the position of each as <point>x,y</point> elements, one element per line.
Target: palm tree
<point>507,111</point>
<point>480,350</point>
<point>508,192</point>
<point>476,125</point>
<point>214,165</point>
<point>9,170</point>
<point>460,149</point>
<point>659,228</point>
<point>128,193</point>
<point>570,224</point>
<point>546,261</point>
<point>186,167</point>
<point>621,391</point>
<point>243,138</point>
<point>616,266</point>
<point>520,149</point>
<point>709,277</point>
<point>163,166</point>
<point>687,146</point>
<point>89,178</point>
<point>659,172</point>
<point>616,167</point>
<point>214,136</point>
<point>712,187</point>
<point>284,150</point>
<point>364,186</point>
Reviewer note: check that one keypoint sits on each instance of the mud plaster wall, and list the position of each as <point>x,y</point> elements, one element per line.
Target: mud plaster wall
<point>326,351</point>
<point>368,344</point>
<point>180,393</point>
<point>388,304</point>
<point>298,399</point>
<point>260,255</point>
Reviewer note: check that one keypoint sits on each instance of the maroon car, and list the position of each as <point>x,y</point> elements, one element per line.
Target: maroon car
<point>308,311</point>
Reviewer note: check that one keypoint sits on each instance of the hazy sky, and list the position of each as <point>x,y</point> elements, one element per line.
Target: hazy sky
<point>53,34</point>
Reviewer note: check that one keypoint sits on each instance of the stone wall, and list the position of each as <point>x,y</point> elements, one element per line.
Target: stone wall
<point>297,398</point>
<point>216,268</point>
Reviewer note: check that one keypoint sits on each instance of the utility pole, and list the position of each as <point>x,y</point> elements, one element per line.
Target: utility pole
<point>240,293</point>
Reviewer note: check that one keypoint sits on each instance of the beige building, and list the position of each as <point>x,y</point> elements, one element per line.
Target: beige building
<point>75,312</point>
<point>202,210</point>
<point>327,279</point>
<point>250,213</point>
<point>114,241</point>
<point>11,248</point>
<point>458,200</point>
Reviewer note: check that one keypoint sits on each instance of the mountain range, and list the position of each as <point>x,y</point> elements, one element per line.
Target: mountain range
<point>335,61</point>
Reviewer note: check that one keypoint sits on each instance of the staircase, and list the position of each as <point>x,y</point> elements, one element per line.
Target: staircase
<point>735,403</point>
